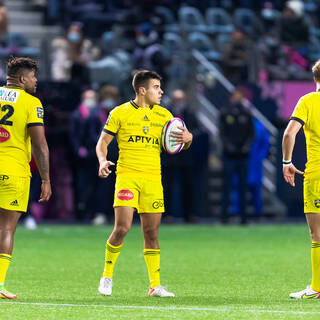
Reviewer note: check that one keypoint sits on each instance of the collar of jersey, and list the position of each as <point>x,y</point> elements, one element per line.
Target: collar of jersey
<point>14,87</point>
<point>136,106</point>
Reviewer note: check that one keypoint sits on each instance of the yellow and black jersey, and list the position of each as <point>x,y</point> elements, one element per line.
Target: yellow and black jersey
<point>307,112</point>
<point>18,111</point>
<point>138,132</point>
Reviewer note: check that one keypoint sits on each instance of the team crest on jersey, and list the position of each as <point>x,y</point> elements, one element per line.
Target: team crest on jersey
<point>40,113</point>
<point>145,130</point>
<point>317,203</point>
<point>9,95</point>
<point>4,134</point>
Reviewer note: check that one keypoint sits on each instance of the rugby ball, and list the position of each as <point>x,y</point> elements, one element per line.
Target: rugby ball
<point>167,141</point>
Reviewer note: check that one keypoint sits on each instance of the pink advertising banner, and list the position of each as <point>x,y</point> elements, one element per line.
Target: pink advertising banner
<point>292,92</point>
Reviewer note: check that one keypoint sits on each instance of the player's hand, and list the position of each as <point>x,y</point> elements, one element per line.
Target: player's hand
<point>104,170</point>
<point>182,136</point>
<point>45,191</point>
<point>289,173</point>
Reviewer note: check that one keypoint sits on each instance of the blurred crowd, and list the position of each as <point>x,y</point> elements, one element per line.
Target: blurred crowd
<point>91,65</point>
<point>105,39</point>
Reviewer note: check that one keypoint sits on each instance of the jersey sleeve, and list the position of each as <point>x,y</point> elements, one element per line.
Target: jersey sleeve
<point>35,115</point>
<point>300,112</point>
<point>112,124</point>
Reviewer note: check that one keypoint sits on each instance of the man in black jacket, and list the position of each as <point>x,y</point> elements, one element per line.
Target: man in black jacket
<point>237,133</point>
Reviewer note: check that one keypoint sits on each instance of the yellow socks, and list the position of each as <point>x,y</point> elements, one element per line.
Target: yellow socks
<point>315,262</point>
<point>152,259</point>
<point>112,253</point>
<point>5,260</point>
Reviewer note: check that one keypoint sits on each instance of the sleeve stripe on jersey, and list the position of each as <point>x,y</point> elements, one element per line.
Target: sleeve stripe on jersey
<point>109,132</point>
<point>297,119</point>
<point>34,124</point>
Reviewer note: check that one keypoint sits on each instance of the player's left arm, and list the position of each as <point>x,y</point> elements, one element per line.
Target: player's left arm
<point>183,136</point>
<point>288,141</point>
<point>41,156</point>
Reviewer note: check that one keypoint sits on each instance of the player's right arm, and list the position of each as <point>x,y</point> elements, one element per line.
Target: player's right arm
<point>288,141</point>
<point>102,151</point>
<point>41,156</point>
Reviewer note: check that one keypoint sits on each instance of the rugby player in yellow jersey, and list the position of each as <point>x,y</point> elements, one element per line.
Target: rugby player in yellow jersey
<point>307,114</point>
<point>21,123</point>
<point>137,126</point>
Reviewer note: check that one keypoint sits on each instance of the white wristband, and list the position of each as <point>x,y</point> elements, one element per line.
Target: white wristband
<point>286,163</point>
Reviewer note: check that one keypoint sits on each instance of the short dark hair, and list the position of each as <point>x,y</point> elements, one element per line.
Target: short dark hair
<point>142,77</point>
<point>16,66</point>
<point>316,71</point>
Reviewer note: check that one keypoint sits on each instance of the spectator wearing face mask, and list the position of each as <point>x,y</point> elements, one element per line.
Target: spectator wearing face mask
<point>71,54</point>
<point>84,152</point>
<point>270,18</point>
<point>184,191</point>
<point>104,188</point>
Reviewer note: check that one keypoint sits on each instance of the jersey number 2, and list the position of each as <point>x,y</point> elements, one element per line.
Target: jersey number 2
<point>4,119</point>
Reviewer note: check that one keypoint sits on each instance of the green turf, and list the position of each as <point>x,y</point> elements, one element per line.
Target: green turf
<point>216,272</point>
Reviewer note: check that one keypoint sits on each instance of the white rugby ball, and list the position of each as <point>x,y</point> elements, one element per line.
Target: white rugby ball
<point>167,141</point>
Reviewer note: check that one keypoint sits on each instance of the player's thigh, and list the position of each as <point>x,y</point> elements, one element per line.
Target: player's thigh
<point>14,193</point>
<point>126,192</point>
<point>123,217</point>
<point>311,189</point>
<point>9,219</point>
<point>311,195</point>
<point>151,197</point>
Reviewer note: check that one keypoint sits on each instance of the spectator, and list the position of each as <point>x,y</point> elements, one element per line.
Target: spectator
<point>237,133</point>
<point>180,193</point>
<point>109,98</point>
<point>294,30</point>
<point>270,18</point>
<point>71,55</point>
<point>149,54</point>
<point>280,62</point>
<point>239,58</point>
<point>259,151</point>
<point>3,23</point>
<point>84,152</point>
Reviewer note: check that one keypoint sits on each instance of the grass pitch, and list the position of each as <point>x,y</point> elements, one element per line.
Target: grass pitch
<point>216,272</point>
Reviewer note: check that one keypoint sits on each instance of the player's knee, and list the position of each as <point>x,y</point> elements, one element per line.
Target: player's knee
<point>7,229</point>
<point>120,231</point>
<point>150,233</point>
<point>315,235</point>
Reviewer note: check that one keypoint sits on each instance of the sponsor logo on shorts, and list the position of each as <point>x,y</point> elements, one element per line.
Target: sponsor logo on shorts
<point>14,203</point>
<point>4,134</point>
<point>125,195</point>
<point>317,203</point>
<point>4,177</point>
<point>158,204</point>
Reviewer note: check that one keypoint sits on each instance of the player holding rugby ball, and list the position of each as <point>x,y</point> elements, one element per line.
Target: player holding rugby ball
<point>138,126</point>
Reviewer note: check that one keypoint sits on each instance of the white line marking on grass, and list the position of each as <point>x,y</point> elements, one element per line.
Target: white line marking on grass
<point>191,308</point>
